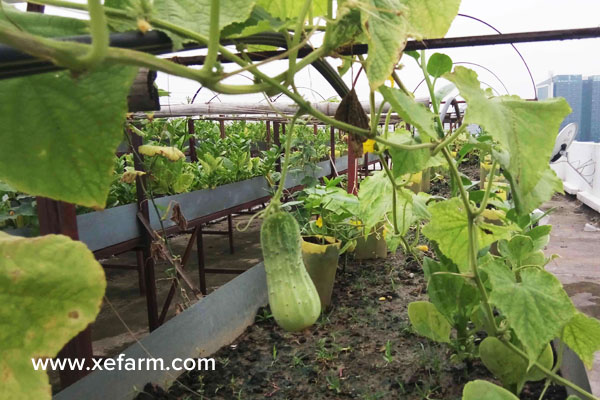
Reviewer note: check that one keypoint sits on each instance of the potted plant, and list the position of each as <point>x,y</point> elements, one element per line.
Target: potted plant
<point>327,217</point>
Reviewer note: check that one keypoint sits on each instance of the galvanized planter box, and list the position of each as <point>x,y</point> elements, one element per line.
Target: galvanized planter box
<point>101,229</point>
<point>201,330</point>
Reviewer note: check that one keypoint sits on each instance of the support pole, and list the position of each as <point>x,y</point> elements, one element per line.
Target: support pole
<point>352,168</point>
<point>142,203</point>
<point>201,261</point>
<point>57,217</point>
<point>192,131</point>
<point>230,233</point>
<point>277,142</point>
<point>222,127</point>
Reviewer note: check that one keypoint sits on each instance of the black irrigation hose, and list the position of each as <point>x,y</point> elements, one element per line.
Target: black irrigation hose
<point>14,63</point>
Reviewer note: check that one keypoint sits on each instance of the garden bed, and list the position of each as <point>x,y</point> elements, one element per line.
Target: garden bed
<point>344,355</point>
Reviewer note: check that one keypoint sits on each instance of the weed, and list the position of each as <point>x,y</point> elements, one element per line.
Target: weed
<point>334,383</point>
<point>387,356</point>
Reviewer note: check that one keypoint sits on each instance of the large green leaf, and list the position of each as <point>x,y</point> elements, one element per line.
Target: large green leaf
<point>428,321</point>
<point>375,199</point>
<point>548,184</point>
<point>508,366</point>
<point>50,289</point>
<point>343,30</point>
<point>407,161</point>
<point>449,228</point>
<point>286,9</point>
<point>386,28</point>
<point>452,294</point>
<point>412,112</point>
<point>195,14</point>
<point>60,133</point>
<point>389,23</point>
<point>431,18</point>
<point>43,24</point>
<point>537,307</point>
<point>484,390</point>
<point>526,129</point>
<point>582,335</point>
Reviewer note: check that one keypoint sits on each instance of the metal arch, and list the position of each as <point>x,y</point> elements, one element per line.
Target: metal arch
<point>513,46</point>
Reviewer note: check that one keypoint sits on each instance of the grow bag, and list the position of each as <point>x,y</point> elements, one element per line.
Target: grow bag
<point>321,261</point>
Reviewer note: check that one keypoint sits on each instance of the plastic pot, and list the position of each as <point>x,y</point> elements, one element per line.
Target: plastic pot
<point>374,246</point>
<point>320,255</point>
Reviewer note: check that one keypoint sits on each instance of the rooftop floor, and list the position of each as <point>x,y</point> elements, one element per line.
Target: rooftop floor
<point>578,267</point>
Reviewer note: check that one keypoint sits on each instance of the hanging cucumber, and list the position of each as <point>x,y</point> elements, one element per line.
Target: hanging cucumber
<point>293,298</point>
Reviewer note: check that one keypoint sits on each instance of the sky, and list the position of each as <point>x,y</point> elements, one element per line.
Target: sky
<point>508,16</point>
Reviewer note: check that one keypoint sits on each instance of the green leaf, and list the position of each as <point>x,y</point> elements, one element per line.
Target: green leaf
<point>195,15</point>
<point>386,29</point>
<point>259,21</point>
<point>388,24</point>
<point>375,199</point>
<point>431,18</point>
<point>449,228</point>
<point>43,24</point>
<point>412,112</point>
<point>484,390</point>
<point>582,335</point>
<point>452,295</point>
<point>525,129</point>
<point>537,307</point>
<point>508,366</point>
<point>60,133</point>
<point>548,184</point>
<point>517,249</point>
<point>439,64</point>
<point>285,9</point>
<point>540,236</point>
<point>428,321</point>
<point>407,161</point>
<point>51,288</point>
<point>344,29</point>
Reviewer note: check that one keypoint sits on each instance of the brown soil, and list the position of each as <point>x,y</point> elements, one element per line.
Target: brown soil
<point>343,356</point>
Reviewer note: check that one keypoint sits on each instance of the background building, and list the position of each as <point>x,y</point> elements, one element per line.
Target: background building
<point>583,95</point>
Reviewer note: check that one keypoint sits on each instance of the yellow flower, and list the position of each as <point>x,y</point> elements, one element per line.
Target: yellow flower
<point>382,298</point>
<point>319,222</point>
<point>369,146</point>
<point>423,247</point>
<point>143,25</point>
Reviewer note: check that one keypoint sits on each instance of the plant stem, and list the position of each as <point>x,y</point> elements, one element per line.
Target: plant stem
<point>473,266</point>
<point>455,174</point>
<point>472,241</point>
<point>296,39</point>
<point>431,88</point>
<point>391,177</point>
<point>488,190</point>
<point>286,161</point>
<point>213,37</point>
<point>100,35</point>
<point>449,139</point>
<point>555,377</point>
